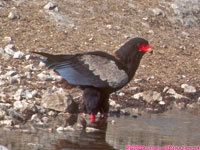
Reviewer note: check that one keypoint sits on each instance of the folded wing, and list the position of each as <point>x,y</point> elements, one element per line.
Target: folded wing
<point>97,69</point>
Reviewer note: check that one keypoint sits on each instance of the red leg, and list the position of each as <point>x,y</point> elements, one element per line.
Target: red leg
<point>92,118</point>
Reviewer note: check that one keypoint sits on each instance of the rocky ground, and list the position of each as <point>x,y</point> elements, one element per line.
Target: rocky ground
<point>168,78</point>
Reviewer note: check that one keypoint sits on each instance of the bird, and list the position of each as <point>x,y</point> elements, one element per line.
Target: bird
<point>99,73</point>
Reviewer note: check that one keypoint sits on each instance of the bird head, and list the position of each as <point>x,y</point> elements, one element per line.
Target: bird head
<point>133,49</point>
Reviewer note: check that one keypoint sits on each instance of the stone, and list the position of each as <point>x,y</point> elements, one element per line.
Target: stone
<point>11,73</point>
<point>7,122</point>
<point>7,39</point>
<point>2,3</point>
<point>20,105</point>
<point>69,128</point>
<point>157,11</point>
<point>13,15</point>
<point>45,77</point>
<point>138,80</point>
<point>2,114</point>
<point>18,94</point>
<point>151,96</point>
<point>137,96</point>
<point>18,55</point>
<point>9,49</point>
<point>162,103</point>
<point>60,129</point>
<point>50,6</point>
<point>188,88</point>
<point>121,94</point>
<point>13,80</point>
<point>3,148</point>
<point>136,88</point>
<point>61,102</point>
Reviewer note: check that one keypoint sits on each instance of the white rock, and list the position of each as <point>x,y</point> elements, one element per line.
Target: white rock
<point>137,80</point>
<point>34,93</point>
<point>42,64</point>
<point>166,89</point>
<point>30,66</point>
<point>112,102</point>
<point>28,94</point>
<point>9,49</point>
<point>2,114</point>
<point>18,55</point>
<point>45,77</point>
<point>90,129</point>
<point>161,102</point>
<point>6,122</point>
<point>171,91</point>
<point>137,96</point>
<point>12,15</point>
<point>121,94</point>
<point>20,105</point>
<point>13,80</point>
<point>2,4</point>
<point>3,148</point>
<point>134,88</point>
<point>50,6</point>
<point>7,39</point>
<point>28,57</point>
<point>27,74</point>
<point>109,26</point>
<point>69,128</point>
<point>188,88</point>
<point>18,94</point>
<point>11,73</point>
<point>60,129</point>
<point>157,11</point>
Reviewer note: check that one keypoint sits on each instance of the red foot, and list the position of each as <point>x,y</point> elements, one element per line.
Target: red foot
<point>92,118</point>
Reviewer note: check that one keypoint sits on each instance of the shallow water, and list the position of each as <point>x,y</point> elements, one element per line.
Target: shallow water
<point>175,128</point>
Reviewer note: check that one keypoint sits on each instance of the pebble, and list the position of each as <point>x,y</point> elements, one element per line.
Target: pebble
<point>161,102</point>
<point>20,105</point>
<point>9,49</point>
<point>11,73</point>
<point>18,55</point>
<point>188,88</point>
<point>7,39</point>
<point>109,26</point>
<point>121,94</point>
<point>157,11</point>
<point>69,128</point>
<point>138,80</point>
<point>137,96</point>
<point>3,148</point>
<point>60,129</point>
<point>113,121</point>
<point>2,3</point>
<point>45,77</point>
<point>18,94</point>
<point>13,15</point>
<point>136,88</point>
<point>50,6</point>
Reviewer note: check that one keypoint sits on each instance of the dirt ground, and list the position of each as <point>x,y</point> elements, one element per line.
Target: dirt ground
<point>80,26</point>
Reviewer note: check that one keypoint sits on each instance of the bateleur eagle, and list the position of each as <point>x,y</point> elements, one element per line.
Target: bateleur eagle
<point>98,73</point>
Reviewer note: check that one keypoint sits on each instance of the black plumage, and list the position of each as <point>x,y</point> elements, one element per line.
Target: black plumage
<point>99,73</point>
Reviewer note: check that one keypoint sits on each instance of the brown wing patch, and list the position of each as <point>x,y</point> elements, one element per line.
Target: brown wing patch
<point>106,69</point>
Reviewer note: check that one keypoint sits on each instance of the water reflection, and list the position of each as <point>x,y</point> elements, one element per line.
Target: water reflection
<point>171,128</point>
